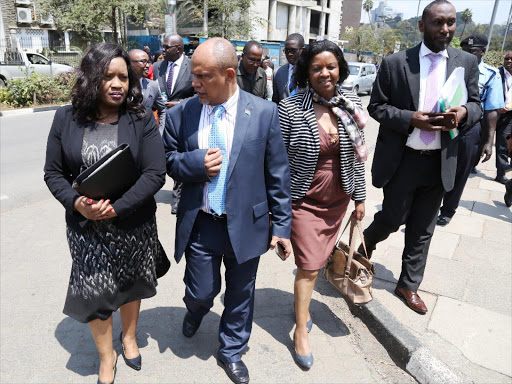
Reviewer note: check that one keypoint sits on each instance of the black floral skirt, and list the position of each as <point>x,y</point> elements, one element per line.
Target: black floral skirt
<point>111,267</point>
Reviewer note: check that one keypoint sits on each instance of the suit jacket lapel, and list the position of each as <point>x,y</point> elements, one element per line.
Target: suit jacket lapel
<point>412,72</point>
<point>309,116</point>
<point>124,133</point>
<point>243,117</point>
<point>452,62</point>
<point>192,123</point>
<point>181,72</point>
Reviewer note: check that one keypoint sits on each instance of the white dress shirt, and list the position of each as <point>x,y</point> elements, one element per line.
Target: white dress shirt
<point>414,141</point>
<point>508,89</point>
<point>177,66</point>
<point>227,127</point>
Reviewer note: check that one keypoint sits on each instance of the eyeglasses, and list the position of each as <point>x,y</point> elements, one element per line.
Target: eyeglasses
<point>166,47</point>
<point>507,59</point>
<point>293,51</point>
<point>256,62</point>
<point>143,62</point>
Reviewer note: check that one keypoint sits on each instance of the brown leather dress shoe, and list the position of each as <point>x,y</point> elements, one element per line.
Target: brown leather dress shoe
<point>412,299</point>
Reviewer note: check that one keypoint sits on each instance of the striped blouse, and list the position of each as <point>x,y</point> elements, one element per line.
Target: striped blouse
<point>301,139</point>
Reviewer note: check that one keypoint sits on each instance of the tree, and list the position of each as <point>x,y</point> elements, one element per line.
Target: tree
<point>466,17</point>
<point>368,6</point>
<point>230,19</point>
<point>362,39</point>
<point>89,18</point>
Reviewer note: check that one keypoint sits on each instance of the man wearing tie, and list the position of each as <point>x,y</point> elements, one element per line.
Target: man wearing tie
<point>283,78</point>
<point>175,80</point>
<point>415,159</point>
<point>225,146</point>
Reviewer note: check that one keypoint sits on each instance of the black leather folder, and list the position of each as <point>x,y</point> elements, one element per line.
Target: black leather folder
<point>110,177</point>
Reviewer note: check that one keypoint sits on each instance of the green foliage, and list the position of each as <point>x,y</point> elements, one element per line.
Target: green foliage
<point>89,18</point>
<point>38,89</point>
<point>494,58</point>
<point>455,43</point>
<point>229,19</point>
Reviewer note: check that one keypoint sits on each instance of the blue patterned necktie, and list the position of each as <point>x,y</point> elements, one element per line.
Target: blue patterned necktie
<point>169,79</point>
<point>217,187</point>
<point>291,88</point>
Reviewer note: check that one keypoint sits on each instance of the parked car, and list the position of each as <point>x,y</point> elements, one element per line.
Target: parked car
<point>361,77</point>
<point>22,64</point>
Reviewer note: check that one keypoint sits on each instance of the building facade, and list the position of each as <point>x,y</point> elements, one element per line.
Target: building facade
<point>350,15</point>
<point>314,19</point>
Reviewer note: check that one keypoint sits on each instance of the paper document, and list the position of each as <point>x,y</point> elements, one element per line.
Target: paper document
<point>454,94</point>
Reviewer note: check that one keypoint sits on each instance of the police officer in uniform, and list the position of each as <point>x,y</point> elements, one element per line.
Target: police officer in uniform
<point>476,141</point>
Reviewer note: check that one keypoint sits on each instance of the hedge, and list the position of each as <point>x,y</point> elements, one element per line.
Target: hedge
<point>38,89</point>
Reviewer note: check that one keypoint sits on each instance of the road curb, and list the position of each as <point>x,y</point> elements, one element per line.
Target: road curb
<point>405,348</point>
<point>25,111</point>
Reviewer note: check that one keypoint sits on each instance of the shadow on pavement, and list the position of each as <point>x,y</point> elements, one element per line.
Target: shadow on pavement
<point>498,211</point>
<point>162,324</point>
<point>273,312</point>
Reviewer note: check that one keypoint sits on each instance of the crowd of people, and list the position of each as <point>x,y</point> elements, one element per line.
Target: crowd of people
<point>261,159</point>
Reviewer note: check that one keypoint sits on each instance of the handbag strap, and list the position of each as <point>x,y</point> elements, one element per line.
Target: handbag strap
<point>340,233</point>
<point>352,244</point>
<point>360,229</point>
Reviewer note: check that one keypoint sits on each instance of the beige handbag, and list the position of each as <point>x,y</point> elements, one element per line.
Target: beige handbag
<point>350,272</point>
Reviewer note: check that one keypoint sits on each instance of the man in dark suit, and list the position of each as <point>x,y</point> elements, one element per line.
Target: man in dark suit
<point>152,98</point>
<point>415,159</point>
<point>225,146</point>
<point>175,80</point>
<point>283,80</point>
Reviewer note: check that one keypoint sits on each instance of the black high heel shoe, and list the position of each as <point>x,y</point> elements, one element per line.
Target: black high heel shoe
<point>115,371</point>
<point>136,362</point>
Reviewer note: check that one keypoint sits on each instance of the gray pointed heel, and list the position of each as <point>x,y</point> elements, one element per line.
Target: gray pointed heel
<point>305,361</point>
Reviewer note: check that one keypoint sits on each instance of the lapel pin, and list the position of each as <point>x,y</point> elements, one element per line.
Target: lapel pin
<point>247,112</point>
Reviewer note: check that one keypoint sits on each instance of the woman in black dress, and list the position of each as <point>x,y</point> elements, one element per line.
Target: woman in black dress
<point>114,244</point>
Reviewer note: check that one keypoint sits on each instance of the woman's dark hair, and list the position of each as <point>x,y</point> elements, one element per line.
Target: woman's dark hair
<point>156,55</point>
<point>94,66</point>
<point>313,49</point>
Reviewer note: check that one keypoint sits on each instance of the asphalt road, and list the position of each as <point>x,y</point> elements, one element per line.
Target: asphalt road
<point>41,345</point>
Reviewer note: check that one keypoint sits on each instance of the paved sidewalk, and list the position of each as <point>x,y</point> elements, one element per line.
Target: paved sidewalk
<point>468,280</point>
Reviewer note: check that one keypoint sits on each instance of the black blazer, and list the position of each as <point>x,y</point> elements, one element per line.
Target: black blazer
<point>64,159</point>
<point>395,98</point>
<point>183,87</point>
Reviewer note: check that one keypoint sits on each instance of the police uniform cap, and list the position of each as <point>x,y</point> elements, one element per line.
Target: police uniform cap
<point>475,40</point>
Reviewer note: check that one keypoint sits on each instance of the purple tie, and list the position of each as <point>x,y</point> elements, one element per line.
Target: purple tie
<point>431,95</point>
<point>169,79</point>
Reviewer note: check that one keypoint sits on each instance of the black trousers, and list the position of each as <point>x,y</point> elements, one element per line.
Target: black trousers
<point>412,197</point>
<point>467,156</point>
<point>503,129</point>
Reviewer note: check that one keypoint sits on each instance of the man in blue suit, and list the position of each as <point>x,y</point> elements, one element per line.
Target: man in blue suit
<point>225,146</point>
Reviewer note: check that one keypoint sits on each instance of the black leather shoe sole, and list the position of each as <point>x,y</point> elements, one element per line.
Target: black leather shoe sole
<point>190,327</point>
<point>237,372</point>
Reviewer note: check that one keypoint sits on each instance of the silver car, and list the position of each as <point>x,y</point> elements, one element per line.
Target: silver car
<point>361,77</point>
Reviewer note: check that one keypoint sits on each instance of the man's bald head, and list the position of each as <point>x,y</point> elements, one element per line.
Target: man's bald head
<point>173,47</point>
<point>219,52</point>
<point>214,65</point>
<point>140,62</point>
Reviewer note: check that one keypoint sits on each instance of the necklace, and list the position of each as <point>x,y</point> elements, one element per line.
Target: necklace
<point>333,140</point>
<point>108,117</point>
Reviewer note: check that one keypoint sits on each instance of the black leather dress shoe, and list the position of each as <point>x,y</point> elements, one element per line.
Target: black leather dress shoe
<point>237,372</point>
<point>136,362</point>
<point>442,220</point>
<point>508,195</point>
<point>190,326</point>
<point>362,252</point>
<point>501,179</point>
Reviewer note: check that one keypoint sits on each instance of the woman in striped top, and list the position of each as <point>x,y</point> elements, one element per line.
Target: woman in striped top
<point>322,132</point>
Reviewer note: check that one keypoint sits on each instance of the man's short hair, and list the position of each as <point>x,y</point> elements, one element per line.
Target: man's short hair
<point>296,37</point>
<point>248,46</point>
<point>427,8</point>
